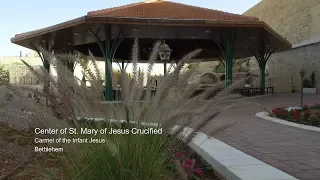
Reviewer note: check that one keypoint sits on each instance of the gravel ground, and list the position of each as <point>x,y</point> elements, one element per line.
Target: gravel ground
<point>16,156</point>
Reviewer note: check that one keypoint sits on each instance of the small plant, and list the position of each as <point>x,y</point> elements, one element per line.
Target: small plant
<point>181,158</point>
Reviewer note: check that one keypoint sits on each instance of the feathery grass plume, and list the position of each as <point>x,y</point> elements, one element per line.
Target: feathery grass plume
<point>170,79</point>
<point>67,86</point>
<point>124,155</point>
<point>95,65</point>
<point>135,57</point>
<point>152,58</point>
<point>134,84</point>
<point>33,71</point>
<point>69,60</point>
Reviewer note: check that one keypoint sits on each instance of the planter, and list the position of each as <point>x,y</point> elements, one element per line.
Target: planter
<point>307,115</point>
<point>310,90</point>
<point>266,116</point>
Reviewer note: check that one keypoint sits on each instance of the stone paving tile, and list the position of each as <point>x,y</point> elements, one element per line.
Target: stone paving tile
<point>280,164</point>
<point>314,172</point>
<point>278,157</point>
<point>292,150</point>
<point>306,176</point>
<point>304,167</point>
<point>291,170</point>
<point>291,162</point>
<point>314,162</point>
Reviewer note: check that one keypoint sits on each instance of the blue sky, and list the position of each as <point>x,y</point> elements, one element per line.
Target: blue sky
<point>18,17</point>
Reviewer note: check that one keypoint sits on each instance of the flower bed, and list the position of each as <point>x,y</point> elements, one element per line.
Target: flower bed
<point>308,115</point>
<point>183,158</point>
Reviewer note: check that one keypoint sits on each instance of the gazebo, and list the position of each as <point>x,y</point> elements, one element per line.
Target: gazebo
<point>110,33</point>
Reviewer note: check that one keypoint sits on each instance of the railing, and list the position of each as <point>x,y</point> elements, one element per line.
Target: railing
<point>242,91</point>
<point>116,93</point>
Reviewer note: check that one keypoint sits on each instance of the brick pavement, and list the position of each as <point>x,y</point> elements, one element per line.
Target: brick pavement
<point>292,150</point>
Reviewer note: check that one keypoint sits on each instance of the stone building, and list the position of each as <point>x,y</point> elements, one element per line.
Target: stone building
<point>18,72</point>
<point>298,21</point>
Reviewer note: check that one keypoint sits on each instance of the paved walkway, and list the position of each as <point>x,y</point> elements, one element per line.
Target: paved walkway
<point>292,150</point>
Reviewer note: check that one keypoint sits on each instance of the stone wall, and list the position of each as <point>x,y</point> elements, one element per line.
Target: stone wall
<point>296,20</point>
<point>284,65</point>
<point>17,60</point>
<point>20,74</point>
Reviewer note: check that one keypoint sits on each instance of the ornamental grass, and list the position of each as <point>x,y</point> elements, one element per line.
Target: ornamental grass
<point>71,104</point>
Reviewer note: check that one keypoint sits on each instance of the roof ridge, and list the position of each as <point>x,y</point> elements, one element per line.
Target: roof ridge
<point>108,10</point>
<point>93,13</point>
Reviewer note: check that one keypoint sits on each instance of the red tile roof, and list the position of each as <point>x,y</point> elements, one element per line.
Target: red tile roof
<point>156,9</point>
<point>159,9</point>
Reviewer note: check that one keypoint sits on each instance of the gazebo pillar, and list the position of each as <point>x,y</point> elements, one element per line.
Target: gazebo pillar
<point>108,50</point>
<point>229,62</point>
<point>228,47</point>
<point>122,64</point>
<point>108,62</point>
<point>262,55</point>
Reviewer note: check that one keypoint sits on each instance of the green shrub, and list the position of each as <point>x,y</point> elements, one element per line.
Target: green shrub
<point>314,119</point>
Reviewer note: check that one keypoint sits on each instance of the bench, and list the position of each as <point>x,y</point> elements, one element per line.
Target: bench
<point>252,91</point>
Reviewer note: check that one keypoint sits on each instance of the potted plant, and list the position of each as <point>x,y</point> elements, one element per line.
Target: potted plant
<point>309,85</point>
<point>293,87</point>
